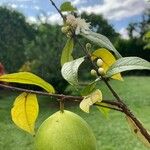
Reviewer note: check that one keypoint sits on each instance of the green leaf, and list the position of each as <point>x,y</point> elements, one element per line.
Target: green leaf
<point>100,40</point>
<point>105,111</point>
<point>147,46</point>
<point>128,63</point>
<point>88,89</point>
<point>67,51</point>
<point>89,100</point>
<point>66,6</point>
<point>27,78</point>
<point>25,112</point>
<point>137,132</point>
<point>69,70</point>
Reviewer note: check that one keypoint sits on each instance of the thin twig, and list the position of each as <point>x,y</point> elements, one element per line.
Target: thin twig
<point>57,96</point>
<point>58,10</point>
<point>113,108</point>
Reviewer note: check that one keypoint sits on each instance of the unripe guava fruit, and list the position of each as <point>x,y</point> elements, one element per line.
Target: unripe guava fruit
<point>65,131</point>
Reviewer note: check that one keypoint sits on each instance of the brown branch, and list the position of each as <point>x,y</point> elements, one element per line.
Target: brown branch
<point>111,104</point>
<point>113,108</point>
<point>58,10</point>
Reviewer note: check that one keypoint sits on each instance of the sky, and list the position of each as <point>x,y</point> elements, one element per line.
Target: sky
<point>119,13</point>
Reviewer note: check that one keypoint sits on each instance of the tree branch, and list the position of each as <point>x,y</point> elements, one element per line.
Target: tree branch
<point>58,10</point>
<point>111,104</point>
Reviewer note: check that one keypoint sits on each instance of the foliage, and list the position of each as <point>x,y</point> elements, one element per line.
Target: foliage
<point>132,47</point>
<point>43,53</point>
<point>25,111</point>
<point>135,44</point>
<point>126,64</point>
<point>108,60</point>
<point>141,27</point>
<point>89,100</point>
<point>146,39</point>
<point>67,51</point>
<point>27,78</point>
<point>14,30</point>
<point>101,25</point>
<point>66,6</point>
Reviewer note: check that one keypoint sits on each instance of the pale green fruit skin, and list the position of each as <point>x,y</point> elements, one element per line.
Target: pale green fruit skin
<point>65,131</point>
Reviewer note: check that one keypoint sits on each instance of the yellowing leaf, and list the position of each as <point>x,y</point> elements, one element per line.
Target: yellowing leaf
<point>108,60</point>
<point>27,78</point>
<point>89,100</point>
<point>137,132</point>
<point>25,112</point>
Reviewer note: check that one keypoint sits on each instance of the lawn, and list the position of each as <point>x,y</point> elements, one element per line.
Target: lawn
<point>112,133</point>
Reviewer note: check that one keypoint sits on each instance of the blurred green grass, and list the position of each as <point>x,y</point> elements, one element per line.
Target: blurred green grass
<point>112,133</point>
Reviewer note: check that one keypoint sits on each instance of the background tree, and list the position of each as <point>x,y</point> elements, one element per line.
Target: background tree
<point>44,52</point>
<point>14,29</point>
<point>134,45</point>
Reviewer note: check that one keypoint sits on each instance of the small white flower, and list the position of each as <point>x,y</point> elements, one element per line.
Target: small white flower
<point>80,25</point>
<point>71,20</point>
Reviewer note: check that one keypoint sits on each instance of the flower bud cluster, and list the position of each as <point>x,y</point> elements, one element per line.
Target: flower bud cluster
<point>100,70</point>
<point>75,25</point>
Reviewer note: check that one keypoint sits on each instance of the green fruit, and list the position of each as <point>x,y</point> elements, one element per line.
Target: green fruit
<point>65,131</point>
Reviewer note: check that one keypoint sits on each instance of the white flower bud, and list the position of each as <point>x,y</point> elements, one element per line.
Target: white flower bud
<point>65,29</point>
<point>69,34</point>
<point>99,62</point>
<point>93,72</point>
<point>101,71</point>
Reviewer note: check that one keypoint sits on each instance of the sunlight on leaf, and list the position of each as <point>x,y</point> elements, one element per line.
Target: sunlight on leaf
<point>108,60</point>
<point>89,100</point>
<point>69,70</point>
<point>27,78</point>
<point>136,131</point>
<point>101,41</point>
<point>126,64</point>
<point>66,6</point>
<point>67,52</point>
<point>25,112</point>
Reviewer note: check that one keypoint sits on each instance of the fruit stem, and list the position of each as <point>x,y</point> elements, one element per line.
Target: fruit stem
<point>62,105</point>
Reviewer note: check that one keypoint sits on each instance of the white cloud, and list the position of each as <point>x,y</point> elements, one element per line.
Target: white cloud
<point>23,0</point>
<point>37,7</point>
<point>51,19</point>
<point>76,2</point>
<point>117,9</point>
<point>124,33</point>
<point>55,19</point>
<point>14,6</point>
<point>22,6</point>
<point>32,19</point>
